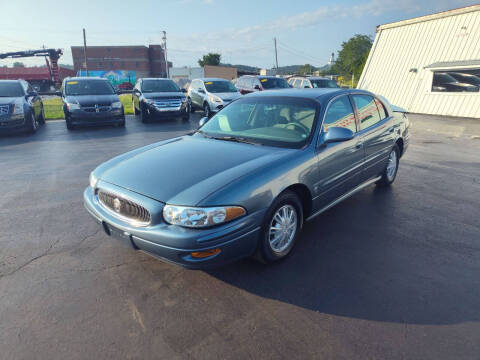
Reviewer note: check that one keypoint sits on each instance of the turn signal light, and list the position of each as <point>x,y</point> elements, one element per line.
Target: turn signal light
<point>204,254</point>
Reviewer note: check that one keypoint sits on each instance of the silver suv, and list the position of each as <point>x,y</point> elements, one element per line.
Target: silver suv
<point>302,82</point>
<point>211,94</point>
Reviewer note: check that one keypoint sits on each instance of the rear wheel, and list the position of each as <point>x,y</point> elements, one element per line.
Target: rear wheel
<point>281,227</point>
<point>390,172</point>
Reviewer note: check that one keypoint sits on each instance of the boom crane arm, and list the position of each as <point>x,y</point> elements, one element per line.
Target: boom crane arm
<point>53,55</point>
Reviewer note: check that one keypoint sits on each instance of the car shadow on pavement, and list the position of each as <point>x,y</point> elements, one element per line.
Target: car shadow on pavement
<point>356,260</point>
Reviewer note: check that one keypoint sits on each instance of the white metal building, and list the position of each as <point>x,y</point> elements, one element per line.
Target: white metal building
<point>429,64</point>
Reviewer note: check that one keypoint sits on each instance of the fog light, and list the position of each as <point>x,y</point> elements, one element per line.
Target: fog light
<point>206,253</point>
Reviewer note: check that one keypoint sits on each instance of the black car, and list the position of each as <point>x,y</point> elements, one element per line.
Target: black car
<point>91,101</point>
<point>159,98</point>
<point>21,109</point>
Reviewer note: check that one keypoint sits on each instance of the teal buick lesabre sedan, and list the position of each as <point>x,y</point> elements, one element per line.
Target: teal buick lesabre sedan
<point>244,183</point>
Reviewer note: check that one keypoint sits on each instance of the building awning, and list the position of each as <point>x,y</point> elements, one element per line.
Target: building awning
<point>455,64</point>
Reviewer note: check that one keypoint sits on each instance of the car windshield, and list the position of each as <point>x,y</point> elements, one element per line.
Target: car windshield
<point>150,86</point>
<point>88,87</point>
<point>272,121</point>
<point>323,83</point>
<point>219,86</point>
<point>10,89</point>
<point>274,83</point>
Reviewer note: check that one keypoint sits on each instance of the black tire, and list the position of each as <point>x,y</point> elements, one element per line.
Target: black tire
<point>33,123</point>
<point>387,176</point>
<point>69,124</point>
<point>206,110</point>
<point>121,123</point>
<point>144,116</point>
<point>186,116</point>
<point>190,105</point>
<point>41,120</point>
<point>265,251</point>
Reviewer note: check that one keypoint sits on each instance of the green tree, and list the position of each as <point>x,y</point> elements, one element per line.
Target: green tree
<point>18,64</point>
<point>210,59</point>
<point>353,56</point>
<point>306,69</point>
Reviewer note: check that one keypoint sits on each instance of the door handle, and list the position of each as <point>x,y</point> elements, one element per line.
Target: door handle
<point>358,145</point>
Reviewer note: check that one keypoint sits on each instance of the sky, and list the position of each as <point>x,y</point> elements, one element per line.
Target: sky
<point>307,31</point>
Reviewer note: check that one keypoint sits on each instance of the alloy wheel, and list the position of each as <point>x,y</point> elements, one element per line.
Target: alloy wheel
<point>283,228</point>
<point>392,165</point>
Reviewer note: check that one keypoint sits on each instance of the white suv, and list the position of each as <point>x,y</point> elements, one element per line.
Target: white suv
<point>211,94</point>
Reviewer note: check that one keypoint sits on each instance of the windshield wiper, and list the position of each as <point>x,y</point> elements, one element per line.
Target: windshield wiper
<point>236,139</point>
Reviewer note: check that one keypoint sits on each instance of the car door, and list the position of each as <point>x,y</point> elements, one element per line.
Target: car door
<point>376,131</point>
<point>340,164</point>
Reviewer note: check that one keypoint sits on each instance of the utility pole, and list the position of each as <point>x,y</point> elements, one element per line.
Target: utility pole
<point>85,52</point>
<point>276,57</point>
<point>164,38</point>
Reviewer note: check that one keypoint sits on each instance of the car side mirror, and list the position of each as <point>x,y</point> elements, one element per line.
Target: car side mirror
<point>202,121</point>
<point>257,87</point>
<point>31,94</point>
<point>58,93</point>
<point>201,91</point>
<point>183,90</point>
<point>336,134</point>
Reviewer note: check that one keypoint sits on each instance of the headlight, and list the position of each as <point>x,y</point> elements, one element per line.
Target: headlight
<point>214,98</point>
<point>73,106</point>
<point>196,217</point>
<point>18,109</point>
<point>117,105</point>
<point>93,180</point>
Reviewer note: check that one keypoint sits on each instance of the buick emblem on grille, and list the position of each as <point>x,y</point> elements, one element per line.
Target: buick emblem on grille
<point>117,205</point>
<point>96,108</point>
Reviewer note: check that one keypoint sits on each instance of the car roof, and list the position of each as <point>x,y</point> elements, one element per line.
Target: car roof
<point>150,78</point>
<point>212,79</point>
<point>12,81</point>
<point>77,78</point>
<point>315,93</point>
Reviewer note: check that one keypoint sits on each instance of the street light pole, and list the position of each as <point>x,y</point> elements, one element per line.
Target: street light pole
<point>164,38</point>
<point>85,52</point>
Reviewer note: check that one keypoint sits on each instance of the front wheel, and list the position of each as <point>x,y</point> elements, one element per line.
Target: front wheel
<point>206,110</point>
<point>281,227</point>
<point>144,116</point>
<point>190,105</point>
<point>33,124</point>
<point>42,116</point>
<point>390,172</point>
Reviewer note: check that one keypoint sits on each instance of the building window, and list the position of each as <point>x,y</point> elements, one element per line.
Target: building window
<point>467,80</point>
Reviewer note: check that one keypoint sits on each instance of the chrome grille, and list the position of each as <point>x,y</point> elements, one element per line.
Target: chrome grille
<point>167,104</point>
<point>124,208</point>
<point>4,109</point>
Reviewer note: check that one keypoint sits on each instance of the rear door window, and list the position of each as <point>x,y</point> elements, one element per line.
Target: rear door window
<point>367,110</point>
<point>381,109</point>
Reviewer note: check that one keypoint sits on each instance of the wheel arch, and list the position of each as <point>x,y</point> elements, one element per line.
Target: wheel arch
<point>305,196</point>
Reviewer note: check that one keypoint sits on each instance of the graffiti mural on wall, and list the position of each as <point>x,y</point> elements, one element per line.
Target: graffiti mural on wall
<point>118,78</point>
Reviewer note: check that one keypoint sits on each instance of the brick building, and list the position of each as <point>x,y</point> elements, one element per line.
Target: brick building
<point>144,61</point>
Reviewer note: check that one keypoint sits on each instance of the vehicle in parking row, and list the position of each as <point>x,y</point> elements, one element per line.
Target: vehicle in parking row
<point>244,183</point>
<point>211,94</point>
<point>251,83</point>
<point>155,98</point>
<point>91,101</point>
<point>308,82</point>
<point>21,108</point>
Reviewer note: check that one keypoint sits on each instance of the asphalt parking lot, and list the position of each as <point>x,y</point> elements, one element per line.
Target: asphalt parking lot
<point>387,274</point>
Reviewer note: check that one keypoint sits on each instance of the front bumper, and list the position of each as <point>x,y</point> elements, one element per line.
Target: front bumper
<point>237,239</point>
<point>81,117</point>
<point>12,123</point>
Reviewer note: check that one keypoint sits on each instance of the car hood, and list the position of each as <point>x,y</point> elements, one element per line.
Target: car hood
<point>227,95</point>
<point>91,100</point>
<point>185,170</point>
<point>8,100</point>
<point>163,95</point>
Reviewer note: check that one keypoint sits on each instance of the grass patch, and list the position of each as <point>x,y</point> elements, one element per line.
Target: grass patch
<point>53,106</point>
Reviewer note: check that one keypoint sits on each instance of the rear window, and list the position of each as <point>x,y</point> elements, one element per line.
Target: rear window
<point>11,89</point>
<point>274,83</point>
<point>323,83</point>
<point>88,87</point>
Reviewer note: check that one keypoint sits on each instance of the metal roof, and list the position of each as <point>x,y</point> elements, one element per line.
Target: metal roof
<point>434,16</point>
